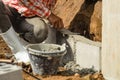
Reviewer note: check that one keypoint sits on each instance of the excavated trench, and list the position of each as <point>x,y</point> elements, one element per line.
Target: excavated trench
<point>81,16</point>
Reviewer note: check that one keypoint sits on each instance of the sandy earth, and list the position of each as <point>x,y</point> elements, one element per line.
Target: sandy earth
<point>81,16</point>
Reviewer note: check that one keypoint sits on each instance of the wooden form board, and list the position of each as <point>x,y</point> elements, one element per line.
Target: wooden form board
<point>111,39</point>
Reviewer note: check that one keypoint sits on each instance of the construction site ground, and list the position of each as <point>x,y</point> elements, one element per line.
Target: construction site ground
<point>5,50</point>
<point>87,12</point>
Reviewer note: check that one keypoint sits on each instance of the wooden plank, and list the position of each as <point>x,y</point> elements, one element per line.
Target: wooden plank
<point>111,39</point>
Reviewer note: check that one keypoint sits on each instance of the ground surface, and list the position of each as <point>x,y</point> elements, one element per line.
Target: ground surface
<point>5,50</point>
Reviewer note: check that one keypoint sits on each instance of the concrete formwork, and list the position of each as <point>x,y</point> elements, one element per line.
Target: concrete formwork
<point>111,39</point>
<point>10,72</point>
<point>87,53</point>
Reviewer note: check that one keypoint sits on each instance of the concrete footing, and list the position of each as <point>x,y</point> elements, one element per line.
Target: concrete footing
<point>87,53</point>
<point>10,72</point>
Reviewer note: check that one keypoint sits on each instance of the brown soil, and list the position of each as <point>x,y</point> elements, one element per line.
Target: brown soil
<point>3,48</point>
<point>60,77</point>
<point>81,16</point>
<point>48,77</point>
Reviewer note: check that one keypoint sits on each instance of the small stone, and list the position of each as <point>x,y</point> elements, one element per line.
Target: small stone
<point>87,77</point>
<point>8,55</point>
<point>69,79</point>
<point>49,58</point>
<point>77,75</point>
<point>95,76</point>
<point>61,69</point>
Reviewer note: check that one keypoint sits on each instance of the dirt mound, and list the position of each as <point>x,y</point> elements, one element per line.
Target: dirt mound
<point>83,16</point>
